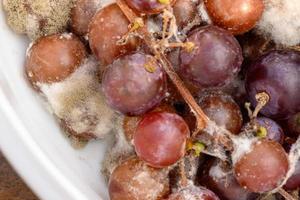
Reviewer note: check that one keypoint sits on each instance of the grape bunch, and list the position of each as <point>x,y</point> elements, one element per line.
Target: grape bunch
<point>241,147</point>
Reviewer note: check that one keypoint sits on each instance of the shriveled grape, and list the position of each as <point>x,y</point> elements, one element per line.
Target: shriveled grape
<point>134,180</point>
<point>222,109</point>
<point>107,27</point>
<point>160,138</point>
<point>215,60</point>
<point>53,58</point>
<point>130,87</point>
<point>277,73</point>
<point>263,168</point>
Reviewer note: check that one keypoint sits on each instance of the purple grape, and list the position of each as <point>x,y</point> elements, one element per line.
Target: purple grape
<point>215,60</point>
<point>148,6</point>
<point>278,74</point>
<point>294,124</point>
<point>294,181</point>
<point>133,84</point>
<point>273,130</point>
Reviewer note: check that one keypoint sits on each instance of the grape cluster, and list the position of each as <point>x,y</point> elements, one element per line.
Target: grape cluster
<point>165,123</point>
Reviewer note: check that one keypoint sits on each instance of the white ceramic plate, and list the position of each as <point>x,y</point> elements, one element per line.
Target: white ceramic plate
<point>31,139</point>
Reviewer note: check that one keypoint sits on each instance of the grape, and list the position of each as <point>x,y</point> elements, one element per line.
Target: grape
<point>237,16</point>
<point>294,124</point>
<point>134,180</point>
<point>53,58</point>
<point>193,193</point>
<point>107,27</point>
<point>254,45</point>
<point>131,88</point>
<point>263,168</point>
<point>215,60</point>
<point>130,123</point>
<point>293,182</point>
<point>185,11</point>
<point>222,109</point>
<point>218,177</point>
<point>278,74</point>
<point>149,6</point>
<point>160,138</point>
<point>81,15</point>
<point>273,130</point>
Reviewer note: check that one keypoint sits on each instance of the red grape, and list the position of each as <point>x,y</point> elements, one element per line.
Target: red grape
<point>263,168</point>
<point>237,16</point>
<point>107,27</point>
<point>294,124</point>
<point>132,89</point>
<point>278,74</point>
<point>53,58</point>
<point>293,182</point>
<point>160,138</point>
<point>222,109</point>
<point>218,177</point>
<point>130,123</point>
<point>134,180</point>
<point>193,193</point>
<point>216,59</point>
<point>184,11</point>
<point>81,15</point>
<point>149,6</point>
<point>273,130</point>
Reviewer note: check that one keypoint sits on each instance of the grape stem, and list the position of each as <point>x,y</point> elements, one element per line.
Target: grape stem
<point>184,180</point>
<point>262,99</point>
<point>285,194</point>
<point>201,118</point>
<point>203,123</point>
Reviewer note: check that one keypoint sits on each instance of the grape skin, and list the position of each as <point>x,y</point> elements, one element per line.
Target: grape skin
<point>278,74</point>
<point>81,15</point>
<point>53,58</point>
<point>215,60</point>
<point>160,138</point>
<point>107,27</point>
<point>193,193</point>
<point>134,180</point>
<point>274,131</point>
<point>263,168</point>
<point>222,109</point>
<point>130,88</point>
<point>293,182</point>
<point>184,11</point>
<point>218,177</point>
<point>148,6</point>
<point>237,16</point>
